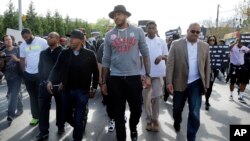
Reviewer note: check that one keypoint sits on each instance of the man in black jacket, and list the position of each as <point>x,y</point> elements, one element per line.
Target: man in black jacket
<point>76,68</point>
<point>47,60</point>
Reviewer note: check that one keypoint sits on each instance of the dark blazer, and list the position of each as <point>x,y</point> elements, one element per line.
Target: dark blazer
<point>178,67</point>
<point>89,69</point>
<point>47,61</point>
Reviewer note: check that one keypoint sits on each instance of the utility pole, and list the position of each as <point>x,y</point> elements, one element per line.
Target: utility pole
<point>20,24</point>
<point>217,18</point>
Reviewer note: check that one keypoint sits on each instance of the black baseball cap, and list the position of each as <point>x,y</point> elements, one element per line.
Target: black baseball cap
<point>76,33</point>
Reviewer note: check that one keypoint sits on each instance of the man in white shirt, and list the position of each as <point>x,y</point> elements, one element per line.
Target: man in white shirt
<point>237,71</point>
<point>29,53</point>
<point>188,77</point>
<point>158,52</point>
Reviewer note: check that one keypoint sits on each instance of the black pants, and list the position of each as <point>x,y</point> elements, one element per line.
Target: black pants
<point>166,93</point>
<point>44,108</point>
<point>109,101</point>
<point>32,85</point>
<point>128,89</point>
<point>210,89</point>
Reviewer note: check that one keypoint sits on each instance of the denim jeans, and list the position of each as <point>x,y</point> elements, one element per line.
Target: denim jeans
<point>126,88</point>
<point>74,103</point>
<point>193,93</point>
<point>45,105</point>
<point>32,85</point>
<point>15,99</point>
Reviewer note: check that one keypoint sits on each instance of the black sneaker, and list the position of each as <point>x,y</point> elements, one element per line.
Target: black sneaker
<point>9,119</point>
<point>207,105</point>
<point>42,136</point>
<point>134,136</point>
<point>241,100</point>
<point>177,127</point>
<point>60,131</point>
<point>206,108</point>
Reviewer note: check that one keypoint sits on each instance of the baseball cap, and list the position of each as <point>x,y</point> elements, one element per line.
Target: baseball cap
<point>76,33</point>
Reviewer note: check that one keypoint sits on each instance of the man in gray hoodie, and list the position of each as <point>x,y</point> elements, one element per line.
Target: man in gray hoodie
<point>122,46</point>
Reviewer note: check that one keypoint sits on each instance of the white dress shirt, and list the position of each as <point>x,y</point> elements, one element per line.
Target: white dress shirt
<point>193,73</point>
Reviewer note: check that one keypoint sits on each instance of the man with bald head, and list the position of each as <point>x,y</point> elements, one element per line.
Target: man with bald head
<point>48,59</point>
<point>188,76</point>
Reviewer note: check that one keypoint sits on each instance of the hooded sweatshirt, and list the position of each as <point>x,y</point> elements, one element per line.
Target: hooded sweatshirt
<point>121,51</point>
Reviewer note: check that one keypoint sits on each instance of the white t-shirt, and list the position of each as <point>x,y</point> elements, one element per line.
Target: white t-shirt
<point>237,55</point>
<point>157,47</point>
<point>31,53</point>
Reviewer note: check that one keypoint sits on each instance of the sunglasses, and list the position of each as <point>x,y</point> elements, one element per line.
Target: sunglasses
<point>194,31</point>
<point>211,40</point>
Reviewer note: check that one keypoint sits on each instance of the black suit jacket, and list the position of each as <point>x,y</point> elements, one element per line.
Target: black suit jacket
<point>89,69</point>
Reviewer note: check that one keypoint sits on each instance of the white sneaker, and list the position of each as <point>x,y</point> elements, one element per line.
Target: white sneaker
<point>125,119</point>
<point>231,98</point>
<point>111,126</point>
<point>241,100</point>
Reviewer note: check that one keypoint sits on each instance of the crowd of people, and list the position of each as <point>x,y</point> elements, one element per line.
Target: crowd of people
<point>129,67</point>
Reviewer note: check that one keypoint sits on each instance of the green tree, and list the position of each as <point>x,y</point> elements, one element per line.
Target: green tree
<point>102,25</point>
<point>2,32</point>
<point>44,25</point>
<point>50,22</point>
<point>10,18</point>
<point>59,23</point>
<point>77,23</point>
<point>68,26</point>
<point>33,21</point>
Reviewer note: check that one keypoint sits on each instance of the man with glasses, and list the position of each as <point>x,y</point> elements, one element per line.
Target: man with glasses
<point>188,76</point>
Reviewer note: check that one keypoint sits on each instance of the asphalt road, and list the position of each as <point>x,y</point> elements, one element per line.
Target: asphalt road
<point>214,123</point>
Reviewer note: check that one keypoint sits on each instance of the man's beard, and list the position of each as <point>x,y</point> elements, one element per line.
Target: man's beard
<point>121,24</point>
<point>29,41</point>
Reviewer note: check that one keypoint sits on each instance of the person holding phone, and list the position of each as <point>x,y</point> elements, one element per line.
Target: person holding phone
<point>13,76</point>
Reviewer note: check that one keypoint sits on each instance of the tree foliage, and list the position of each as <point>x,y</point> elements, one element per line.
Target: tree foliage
<point>10,17</point>
<point>102,25</point>
<point>43,25</point>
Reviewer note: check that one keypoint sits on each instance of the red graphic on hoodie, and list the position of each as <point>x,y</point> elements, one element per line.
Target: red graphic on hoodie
<point>123,44</point>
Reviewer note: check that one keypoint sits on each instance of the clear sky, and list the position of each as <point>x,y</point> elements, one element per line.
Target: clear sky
<point>168,14</point>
